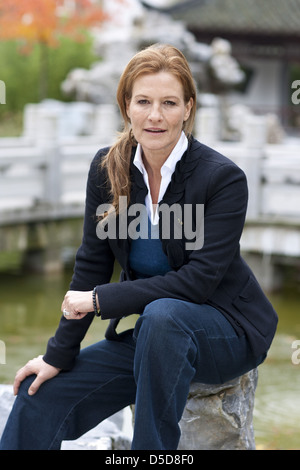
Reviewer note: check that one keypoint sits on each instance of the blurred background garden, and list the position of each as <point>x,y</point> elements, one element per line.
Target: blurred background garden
<point>21,71</point>
<point>60,61</point>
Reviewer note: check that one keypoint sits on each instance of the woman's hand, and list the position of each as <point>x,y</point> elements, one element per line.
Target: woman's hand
<point>36,366</point>
<point>77,304</point>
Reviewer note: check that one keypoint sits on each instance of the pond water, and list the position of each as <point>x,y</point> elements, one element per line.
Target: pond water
<point>30,311</point>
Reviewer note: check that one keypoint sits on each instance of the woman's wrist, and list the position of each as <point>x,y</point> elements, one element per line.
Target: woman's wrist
<point>96,306</point>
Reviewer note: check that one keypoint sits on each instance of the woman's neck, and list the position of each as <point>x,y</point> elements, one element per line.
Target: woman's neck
<point>154,176</point>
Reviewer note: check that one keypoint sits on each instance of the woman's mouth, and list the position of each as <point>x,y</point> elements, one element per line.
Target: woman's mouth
<point>155,131</point>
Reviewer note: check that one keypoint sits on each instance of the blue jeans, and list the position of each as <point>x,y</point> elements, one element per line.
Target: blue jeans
<point>173,344</point>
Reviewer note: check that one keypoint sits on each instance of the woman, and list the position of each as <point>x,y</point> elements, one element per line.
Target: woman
<point>203,316</point>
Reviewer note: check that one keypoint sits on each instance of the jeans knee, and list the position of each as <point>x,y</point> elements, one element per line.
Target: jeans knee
<point>158,321</point>
<point>160,313</point>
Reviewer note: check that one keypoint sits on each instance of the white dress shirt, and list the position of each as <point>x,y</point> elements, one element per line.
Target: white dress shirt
<point>166,173</point>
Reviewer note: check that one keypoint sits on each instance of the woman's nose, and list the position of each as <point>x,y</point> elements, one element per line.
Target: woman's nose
<point>155,113</point>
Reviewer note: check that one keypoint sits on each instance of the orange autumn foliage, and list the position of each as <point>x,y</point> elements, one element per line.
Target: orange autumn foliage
<point>44,21</point>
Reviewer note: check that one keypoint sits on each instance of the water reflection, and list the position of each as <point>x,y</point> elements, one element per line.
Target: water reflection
<point>30,311</point>
<point>277,409</point>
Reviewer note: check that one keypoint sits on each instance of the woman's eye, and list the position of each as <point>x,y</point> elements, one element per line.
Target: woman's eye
<point>170,103</point>
<point>143,101</point>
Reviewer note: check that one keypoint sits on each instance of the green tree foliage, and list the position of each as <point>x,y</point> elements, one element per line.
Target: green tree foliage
<point>21,73</point>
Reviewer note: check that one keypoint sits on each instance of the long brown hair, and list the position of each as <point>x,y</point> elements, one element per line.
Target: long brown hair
<point>154,59</point>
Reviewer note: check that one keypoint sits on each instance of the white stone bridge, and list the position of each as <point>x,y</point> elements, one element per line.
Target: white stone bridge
<point>42,193</point>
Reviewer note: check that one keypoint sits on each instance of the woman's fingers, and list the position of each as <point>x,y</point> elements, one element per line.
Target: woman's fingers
<point>36,366</point>
<point>77,304</point>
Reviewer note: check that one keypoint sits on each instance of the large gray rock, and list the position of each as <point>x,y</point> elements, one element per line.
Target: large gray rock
<point>219,417</point>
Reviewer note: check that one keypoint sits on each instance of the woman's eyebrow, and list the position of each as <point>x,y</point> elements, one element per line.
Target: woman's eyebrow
<point>171,97</point>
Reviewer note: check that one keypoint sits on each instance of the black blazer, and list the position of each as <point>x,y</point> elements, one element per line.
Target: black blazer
<point>215,274</point>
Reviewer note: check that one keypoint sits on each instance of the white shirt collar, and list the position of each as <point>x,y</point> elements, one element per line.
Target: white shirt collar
<point>167,170</point>
<point>172,159</point>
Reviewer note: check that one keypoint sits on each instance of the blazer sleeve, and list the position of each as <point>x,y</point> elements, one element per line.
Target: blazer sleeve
<point>93,266</point>
<point>196,281</point>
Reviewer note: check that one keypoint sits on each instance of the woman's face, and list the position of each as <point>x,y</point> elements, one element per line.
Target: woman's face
<point>157,111</point>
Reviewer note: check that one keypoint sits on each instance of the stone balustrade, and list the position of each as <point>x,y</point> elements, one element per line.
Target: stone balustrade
<point>43,177</point>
